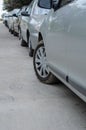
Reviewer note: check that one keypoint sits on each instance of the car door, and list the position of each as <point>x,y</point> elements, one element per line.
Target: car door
<point>56,39</point>
<point>76,48</point>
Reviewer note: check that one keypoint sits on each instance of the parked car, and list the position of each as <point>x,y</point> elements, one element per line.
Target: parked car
<point>31,22</point>
<point>24,31</point>
<point>61,50</point>
<point>5,18</point>
<point>19,19</point>
<point>13,21</point>
<point>10,21</point>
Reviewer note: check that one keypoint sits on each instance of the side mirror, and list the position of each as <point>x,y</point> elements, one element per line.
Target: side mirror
<point>15,15</point>
<point>25,14</point>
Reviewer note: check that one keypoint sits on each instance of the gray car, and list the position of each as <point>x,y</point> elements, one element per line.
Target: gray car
<point>24,8</point>
<point>31,23</point>
<point>5,18</point>
<point>24,28</point>
<point>13,20</point>
<point>61,52</point>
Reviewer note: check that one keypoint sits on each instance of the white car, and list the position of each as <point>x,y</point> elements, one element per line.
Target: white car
<point>13,20</point>
<point>61,51</point>
<point>24,30</point>
<point>10,21</point>
<point>19,19</point>
<point>31,23</point>
<point>5,18</point>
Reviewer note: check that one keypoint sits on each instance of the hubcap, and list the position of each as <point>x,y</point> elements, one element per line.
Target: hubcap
<point>40,62</point>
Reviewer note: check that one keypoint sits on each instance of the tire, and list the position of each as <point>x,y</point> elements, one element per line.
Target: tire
<point>23,43</point>
<point>31,52</point>
<point>19,33</point>
<point>30,48</point>
<point>40,67</point>
<point>11,31</point>
<point>14,33</point>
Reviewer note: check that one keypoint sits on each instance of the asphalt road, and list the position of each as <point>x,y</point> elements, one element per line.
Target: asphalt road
<point>27,104</point>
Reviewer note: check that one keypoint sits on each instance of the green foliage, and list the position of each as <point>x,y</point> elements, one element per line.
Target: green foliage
<point>11,4</point>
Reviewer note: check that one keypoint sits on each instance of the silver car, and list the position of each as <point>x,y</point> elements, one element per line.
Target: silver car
<point>10,21</point>
<point>24,30</point>
<point>13,20</point>
<point>61,51</point>
<point>19,19</point>
<point>30,24</point>
<point>5,18</point>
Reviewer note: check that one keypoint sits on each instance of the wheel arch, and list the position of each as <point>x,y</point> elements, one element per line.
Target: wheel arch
<point>40,37</point>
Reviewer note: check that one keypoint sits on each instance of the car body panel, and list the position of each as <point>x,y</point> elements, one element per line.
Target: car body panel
<point>65,44</point>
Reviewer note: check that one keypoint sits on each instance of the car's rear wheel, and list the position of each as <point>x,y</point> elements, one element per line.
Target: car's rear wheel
<point>14,33</point>
<point>40,65</point>
<point>11,31</point>
<point>23,43</point>
<point>19,33</point>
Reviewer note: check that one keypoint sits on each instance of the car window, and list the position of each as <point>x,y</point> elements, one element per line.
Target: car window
<point>45,4</point>
<point>37,10</point>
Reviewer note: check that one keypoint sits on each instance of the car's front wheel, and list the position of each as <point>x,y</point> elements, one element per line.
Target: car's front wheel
<point>11,31</point>
<point>40,65</point>
<point>23,43</point>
